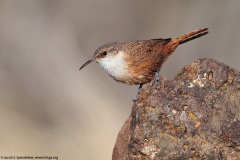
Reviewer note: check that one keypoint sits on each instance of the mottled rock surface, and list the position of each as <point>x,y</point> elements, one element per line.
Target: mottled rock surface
<point>194,116</point>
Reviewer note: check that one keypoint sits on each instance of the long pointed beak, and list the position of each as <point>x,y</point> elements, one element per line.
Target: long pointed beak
<point>89,61</point>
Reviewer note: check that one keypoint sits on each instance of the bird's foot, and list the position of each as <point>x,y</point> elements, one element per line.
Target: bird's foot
<point>138,92</point>
<point>156,79</point>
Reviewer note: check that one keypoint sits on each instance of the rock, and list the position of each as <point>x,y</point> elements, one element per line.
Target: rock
<point>194,116</point>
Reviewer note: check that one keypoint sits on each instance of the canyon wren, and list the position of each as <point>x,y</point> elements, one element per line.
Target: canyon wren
<point>137,62</point>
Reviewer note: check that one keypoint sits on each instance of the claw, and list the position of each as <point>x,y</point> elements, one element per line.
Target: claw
<point>134,99</point>
<point>138,92</point>
<point>156,79</point>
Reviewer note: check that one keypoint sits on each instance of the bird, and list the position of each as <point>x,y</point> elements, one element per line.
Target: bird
<point>138,62</point>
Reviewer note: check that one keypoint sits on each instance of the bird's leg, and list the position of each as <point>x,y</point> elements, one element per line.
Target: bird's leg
<point>156,79</point>
<point>139,90</point>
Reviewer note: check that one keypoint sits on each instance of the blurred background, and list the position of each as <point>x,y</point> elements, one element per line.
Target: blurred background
<point>49,108</point>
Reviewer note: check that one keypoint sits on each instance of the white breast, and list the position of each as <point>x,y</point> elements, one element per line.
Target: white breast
<point>115,65</point>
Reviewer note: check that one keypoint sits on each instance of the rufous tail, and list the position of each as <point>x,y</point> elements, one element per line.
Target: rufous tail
<point>192,35</point>
<point>185,38</point>
<point>172,45</point>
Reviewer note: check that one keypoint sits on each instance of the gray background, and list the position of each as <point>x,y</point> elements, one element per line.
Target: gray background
<point>48,107</point>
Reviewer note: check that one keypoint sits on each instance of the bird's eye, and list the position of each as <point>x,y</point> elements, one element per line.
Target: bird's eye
<point>104,53</point>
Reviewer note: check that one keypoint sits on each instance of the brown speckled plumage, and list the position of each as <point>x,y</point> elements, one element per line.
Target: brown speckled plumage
<point>141,59</point>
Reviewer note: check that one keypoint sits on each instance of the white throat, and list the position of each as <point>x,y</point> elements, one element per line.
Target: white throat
<point>115,65</point>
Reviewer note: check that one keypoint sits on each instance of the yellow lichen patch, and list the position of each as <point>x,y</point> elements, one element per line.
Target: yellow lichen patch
<point>191,73</point>
<point>181,127</point>
<point>192,115</point>
<point>230,78</point>
<point>169,126</point>
<point>222,85</point>
<point>197,124</point>
<point>185,146</point>
<point>160,133</point>
<point>184,69</point>
<point>151,139</point>
<point>213,84</point>
<point>185,108</point>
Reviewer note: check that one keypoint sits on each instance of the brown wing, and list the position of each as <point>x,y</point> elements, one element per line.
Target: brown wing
<point>145,58</point>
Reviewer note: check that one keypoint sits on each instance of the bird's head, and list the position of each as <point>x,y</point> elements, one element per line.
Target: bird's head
<point>104,54</point>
